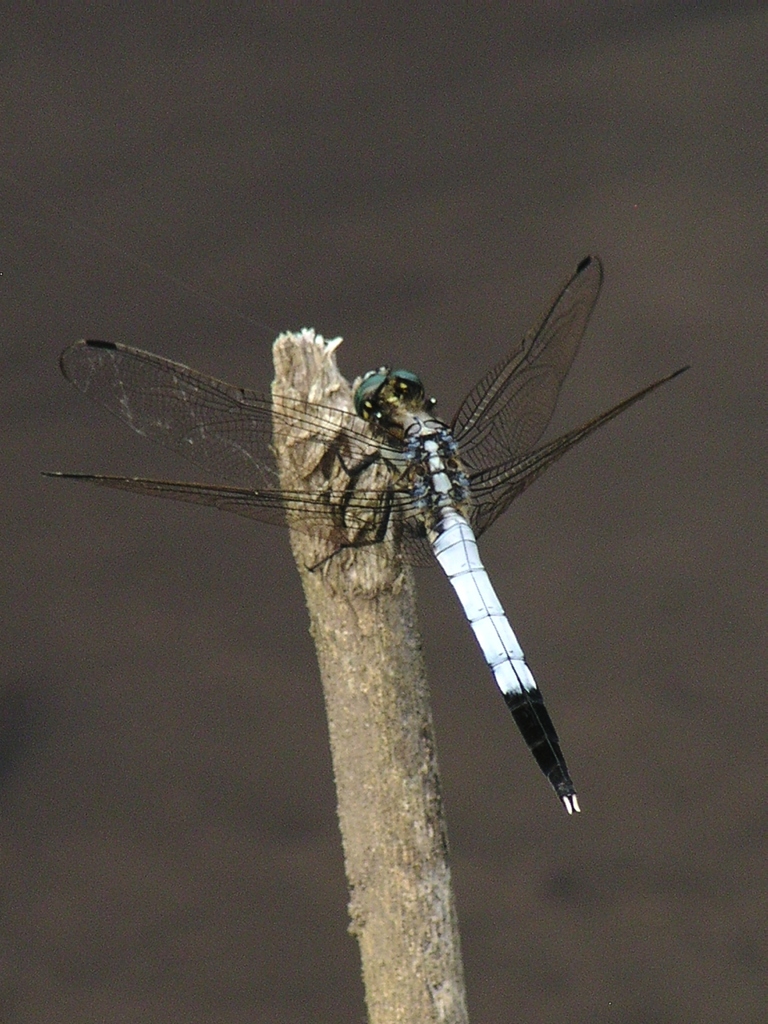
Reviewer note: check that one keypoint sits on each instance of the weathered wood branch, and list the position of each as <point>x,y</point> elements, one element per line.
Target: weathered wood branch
<point>363,620</point>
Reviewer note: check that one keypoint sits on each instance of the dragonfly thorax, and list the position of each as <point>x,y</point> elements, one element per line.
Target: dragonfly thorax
<point>438,481</point>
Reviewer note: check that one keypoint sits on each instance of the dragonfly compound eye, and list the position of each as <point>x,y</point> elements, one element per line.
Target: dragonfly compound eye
<point>407,385</point>
<point>368,390</point>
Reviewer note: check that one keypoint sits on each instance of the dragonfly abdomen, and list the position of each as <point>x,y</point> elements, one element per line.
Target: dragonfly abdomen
<point>455,548</point>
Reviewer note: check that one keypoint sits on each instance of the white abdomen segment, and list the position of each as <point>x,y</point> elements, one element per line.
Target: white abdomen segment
<point>455,548</point>
<point>456,551</point>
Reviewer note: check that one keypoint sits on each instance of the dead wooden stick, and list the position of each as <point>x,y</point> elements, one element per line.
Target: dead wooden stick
<point>363,621</point>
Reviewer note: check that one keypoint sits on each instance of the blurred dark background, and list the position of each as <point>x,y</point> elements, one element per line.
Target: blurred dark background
<point>419,179</point>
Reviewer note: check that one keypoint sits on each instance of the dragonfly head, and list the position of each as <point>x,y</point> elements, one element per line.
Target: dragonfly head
<point>384,395</point>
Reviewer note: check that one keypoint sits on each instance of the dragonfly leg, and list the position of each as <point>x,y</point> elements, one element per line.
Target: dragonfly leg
<point>365,463</point>
<point>366,536</point>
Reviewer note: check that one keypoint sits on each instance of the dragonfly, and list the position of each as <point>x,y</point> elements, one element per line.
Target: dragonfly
<point>397,467</point>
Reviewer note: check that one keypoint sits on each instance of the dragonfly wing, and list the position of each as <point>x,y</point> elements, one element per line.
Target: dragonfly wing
<point>219,427</point>
<point>267,506</point>
<point>495,488</point>
<point>506,413</point>
<point>342,517</point>
<point>415,547</point>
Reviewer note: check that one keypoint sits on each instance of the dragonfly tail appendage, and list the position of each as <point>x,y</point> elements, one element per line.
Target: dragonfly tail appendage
<point>533,721</point>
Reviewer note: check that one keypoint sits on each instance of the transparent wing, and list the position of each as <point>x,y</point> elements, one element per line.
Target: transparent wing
<point>506,413</point>
<point>495,488</point>
<point>229,431</point>
<point>223,429</point>
<point>347,519</point>
<point>265,505</point>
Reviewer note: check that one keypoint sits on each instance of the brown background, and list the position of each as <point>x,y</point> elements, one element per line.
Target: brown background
<point>419,182</point>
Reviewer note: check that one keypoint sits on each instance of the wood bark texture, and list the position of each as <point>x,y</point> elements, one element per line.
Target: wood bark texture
<point>363,621</point>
